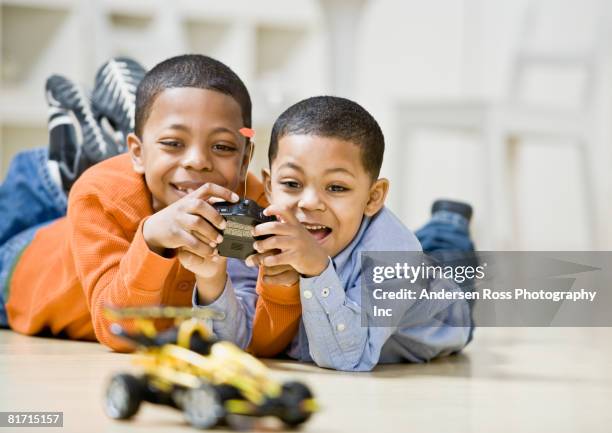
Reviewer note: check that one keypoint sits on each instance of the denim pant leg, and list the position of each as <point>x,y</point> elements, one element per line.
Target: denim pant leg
<point>446,231</point>
<point>446,238</point>
<point>28,195</point>
<point>9,255</point>
<point>29,199</point>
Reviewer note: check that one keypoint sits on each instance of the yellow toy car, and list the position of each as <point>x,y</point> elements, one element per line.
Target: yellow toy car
<point>187,368</point>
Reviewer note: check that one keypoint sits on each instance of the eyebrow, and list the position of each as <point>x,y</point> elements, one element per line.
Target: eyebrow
<point>185,128</point>
<point>178,126</point>
<point>331,170</point>
<point>224,129</point>
<point>341,170</point>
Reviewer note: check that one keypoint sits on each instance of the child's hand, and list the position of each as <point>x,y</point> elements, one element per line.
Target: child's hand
<point>210,273</point>
<point>203,267</point>
<point>189,223</point>
<point>283,275</point>
<point>294,245</point>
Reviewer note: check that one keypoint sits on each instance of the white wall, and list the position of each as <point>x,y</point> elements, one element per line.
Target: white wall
<point>406,50</point>
<point>445,49</point>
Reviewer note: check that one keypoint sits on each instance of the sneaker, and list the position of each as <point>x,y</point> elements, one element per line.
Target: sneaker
<point>76,141</point>
<point>458,207</point>
<point>114,96</point>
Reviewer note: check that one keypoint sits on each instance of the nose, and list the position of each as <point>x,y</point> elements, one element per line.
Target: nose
<point>196,158</point>
<point>311,200</point>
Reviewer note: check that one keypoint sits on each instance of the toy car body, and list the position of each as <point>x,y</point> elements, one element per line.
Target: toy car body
<point>187,368</point>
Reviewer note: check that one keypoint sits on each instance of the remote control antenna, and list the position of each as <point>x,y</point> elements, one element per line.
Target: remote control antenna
<point>248,133</point>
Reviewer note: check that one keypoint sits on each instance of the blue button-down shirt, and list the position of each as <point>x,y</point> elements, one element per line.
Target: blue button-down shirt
<point>331,332</point>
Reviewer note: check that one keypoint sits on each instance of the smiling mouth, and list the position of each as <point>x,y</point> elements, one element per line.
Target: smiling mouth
<point>319,232</point>
<point>183,190</point>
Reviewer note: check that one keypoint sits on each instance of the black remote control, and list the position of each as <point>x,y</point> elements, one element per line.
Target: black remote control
<point>240,217</point>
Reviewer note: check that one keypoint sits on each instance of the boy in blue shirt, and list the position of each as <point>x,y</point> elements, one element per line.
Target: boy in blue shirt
<point>325,156</point>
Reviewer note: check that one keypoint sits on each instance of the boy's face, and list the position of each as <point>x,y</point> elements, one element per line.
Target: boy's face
<point>322,180</point>
<point>190,138</point>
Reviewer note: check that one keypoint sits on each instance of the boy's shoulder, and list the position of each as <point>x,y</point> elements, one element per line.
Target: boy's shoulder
<point>112,183</point>
<point>385,232</point>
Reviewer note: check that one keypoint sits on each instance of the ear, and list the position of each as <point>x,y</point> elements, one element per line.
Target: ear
<point>378,195</point>
<point>247,156</point>
<point>267,183</point>
<point>135,150</point>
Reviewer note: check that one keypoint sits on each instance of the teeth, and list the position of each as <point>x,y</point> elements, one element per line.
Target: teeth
<point>312,227</point>
<point>186,190</point>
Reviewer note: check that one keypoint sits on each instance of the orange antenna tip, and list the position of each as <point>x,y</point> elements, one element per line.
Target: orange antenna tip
<point>247,132</point>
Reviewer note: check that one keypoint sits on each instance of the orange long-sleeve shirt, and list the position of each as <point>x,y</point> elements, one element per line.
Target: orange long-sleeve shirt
<point>97,256</point>
<point>277,318</point>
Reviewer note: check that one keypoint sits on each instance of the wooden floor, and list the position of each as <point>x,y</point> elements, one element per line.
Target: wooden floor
<point>508,380</point>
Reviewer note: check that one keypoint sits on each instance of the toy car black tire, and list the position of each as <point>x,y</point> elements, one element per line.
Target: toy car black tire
<point>293,394</point>
<point>202,406</point>
<point>123,396</point>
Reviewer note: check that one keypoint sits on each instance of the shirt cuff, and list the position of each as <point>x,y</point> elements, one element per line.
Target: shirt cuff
<point>324,291</point>
<point>227,303</point>
<point>144,267</point>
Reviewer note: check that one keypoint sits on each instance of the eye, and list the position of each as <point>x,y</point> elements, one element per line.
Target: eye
<point>223,147</point>
<point>291,184</point>
<point>337,188</point>
<point>170,143</point>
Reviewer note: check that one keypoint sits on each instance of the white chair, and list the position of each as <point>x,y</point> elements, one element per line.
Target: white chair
<point>503,125</point>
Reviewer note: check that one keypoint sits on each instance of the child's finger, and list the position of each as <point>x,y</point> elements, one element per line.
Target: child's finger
<point>277,260</point>
<point>188,258</point>
<point>201,208</point>
<point>281,212</point>
<point>212,244</point>
<point>201,228</point>
<point>209,190</point>
<point>256,259</point>
<point>273,243</point>
<point>271,228</point>
<point>287,278</point>
<point>276,270</point>
<point>195,245</point>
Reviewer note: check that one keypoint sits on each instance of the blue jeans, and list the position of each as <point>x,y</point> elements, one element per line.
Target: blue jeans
<point>446,231</point>
<point>29,199</point>
<point>446,237</point>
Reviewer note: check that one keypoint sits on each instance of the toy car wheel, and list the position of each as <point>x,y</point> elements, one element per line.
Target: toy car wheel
<point>202,406</point>
<point>123,396</point>
<point>292,396</point>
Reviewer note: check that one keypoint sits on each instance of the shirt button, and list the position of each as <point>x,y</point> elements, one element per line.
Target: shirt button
<point>340,327</point>
<point>183,286</point>
<point>307,294</point>
<point>325,292</point>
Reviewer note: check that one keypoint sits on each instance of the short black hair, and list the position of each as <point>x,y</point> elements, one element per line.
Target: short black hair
<point>189,70</point>
<point>334,117</point>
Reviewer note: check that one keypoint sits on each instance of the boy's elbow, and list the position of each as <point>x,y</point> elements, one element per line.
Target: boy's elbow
<point>114,343</point>
<point>102,331</point>
<point>343,361</point>
<point>345,366</point>
<point>454,340</point>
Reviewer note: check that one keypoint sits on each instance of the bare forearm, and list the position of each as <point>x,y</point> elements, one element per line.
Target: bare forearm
<point>210,288</point>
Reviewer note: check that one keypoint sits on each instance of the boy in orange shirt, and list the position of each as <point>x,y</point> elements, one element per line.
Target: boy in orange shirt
<point>140,228</point>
